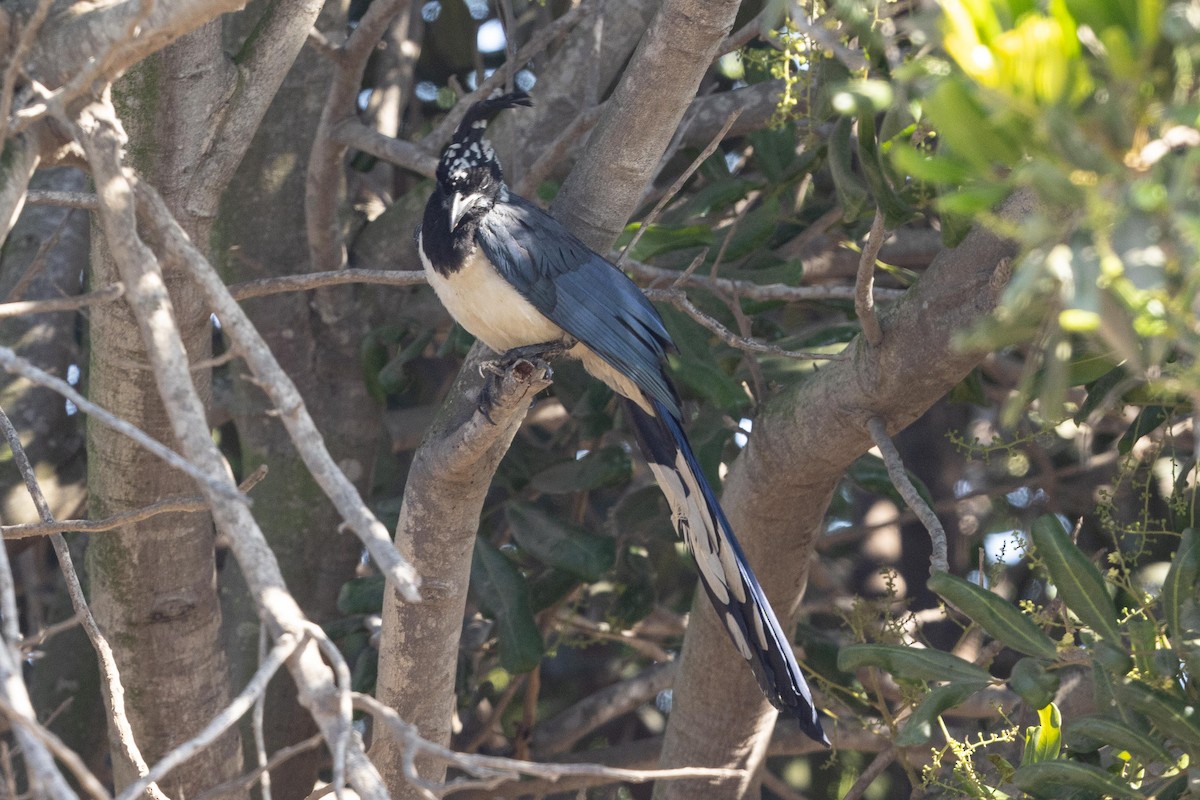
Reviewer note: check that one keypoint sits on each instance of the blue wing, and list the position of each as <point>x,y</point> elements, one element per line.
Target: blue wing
<point>580,291</point>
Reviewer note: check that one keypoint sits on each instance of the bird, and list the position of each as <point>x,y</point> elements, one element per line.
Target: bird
<point>520,282</point>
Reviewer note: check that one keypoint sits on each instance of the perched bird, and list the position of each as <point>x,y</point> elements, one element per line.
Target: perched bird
<point>520,282</point>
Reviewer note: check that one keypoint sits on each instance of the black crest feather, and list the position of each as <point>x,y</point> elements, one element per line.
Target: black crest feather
<point>487,109</point>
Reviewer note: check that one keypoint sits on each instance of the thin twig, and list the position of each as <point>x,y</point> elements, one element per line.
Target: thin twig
<point>938,559</point>
<point>38,262</point>
<point>315,280</point>
<point>17,705</point>
<point>167,505</point>
<point>90,783</point>
<point>256,722</point>
<point>679,299</point>
<point>675,187</point>
<point>13,363</point>
<point>284,647</point>
<point>246,781</point>
<point>24,307</point>
<point>881,762</point>
<point>491,771</point>
<point>750,290</point>
<point>16,62</point>
<point>864,299</point>
<point>48,197</point>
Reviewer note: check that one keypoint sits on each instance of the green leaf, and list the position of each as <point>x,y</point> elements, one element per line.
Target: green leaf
<point>1053,778</point>
<point>774,150</point>
<point>559,544</point>
<point>366,670</point>
<point>852,192</point>
<point>1078,581</point>
<point>503,595</point>
<point>895,210</point>
<point>718,195</point>
<point>549,588</point>
<point>705,379</point>
<point>659,239</point>
<point>362,595</point>
<point>1179,589</point>
<point>919,727</point>
<point>1088,734</point>
<point>1147,420</point>
<point>609,466</point>
<point>1172,714</point>
<point>1033,682</point>
<point>1003,621</point>
<point>1044,742</point>
<point>911,663</point>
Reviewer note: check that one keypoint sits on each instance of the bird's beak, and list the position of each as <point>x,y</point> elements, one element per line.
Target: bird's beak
<point>460,205</point>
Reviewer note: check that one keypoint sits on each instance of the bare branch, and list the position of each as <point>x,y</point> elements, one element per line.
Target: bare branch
<point>350,132</point>
<point>864,299</point>
<point>167,505</point>
<point>19,157</point>
<point>17,706</point>
<point>315,280</point>
<point>880,763</point>
<point>280,389</point>
<point>16,61</point>
<point>938,560</point>
<point>323,187</point>
<point>13,363</point>
<point>100,34</point>
<point>246,781</point>
<point>679,299</point>
<point>257,685</point>
<point>491,771</point>
<point>559,734</point>
<point>38,262</point>
<point>49,197</point>
<point>24,307</point>
<point>753,291</point>
<point>55,746</point>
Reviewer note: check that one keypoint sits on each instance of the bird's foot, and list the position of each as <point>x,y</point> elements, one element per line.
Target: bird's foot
<point>520,360</point>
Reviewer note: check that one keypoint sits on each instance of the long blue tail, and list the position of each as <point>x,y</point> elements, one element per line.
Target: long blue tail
<point>727,577</point>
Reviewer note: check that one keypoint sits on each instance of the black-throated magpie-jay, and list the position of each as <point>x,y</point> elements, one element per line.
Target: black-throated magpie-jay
<point>514,277</point>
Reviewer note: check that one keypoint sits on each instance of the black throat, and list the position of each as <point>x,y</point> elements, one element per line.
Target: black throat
<point>446,250</point>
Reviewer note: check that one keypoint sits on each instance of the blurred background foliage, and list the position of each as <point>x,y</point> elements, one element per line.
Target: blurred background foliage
<point>1055,661</point>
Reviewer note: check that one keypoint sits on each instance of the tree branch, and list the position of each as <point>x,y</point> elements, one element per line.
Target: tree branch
<point>864,298</point>
<point>938,559</point>
<point>264,60</point>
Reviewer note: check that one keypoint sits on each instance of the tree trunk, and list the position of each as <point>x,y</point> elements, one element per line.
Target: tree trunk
<point>153,583</point>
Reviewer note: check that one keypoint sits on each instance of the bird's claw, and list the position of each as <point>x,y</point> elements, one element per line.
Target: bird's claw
<point>520,360</point>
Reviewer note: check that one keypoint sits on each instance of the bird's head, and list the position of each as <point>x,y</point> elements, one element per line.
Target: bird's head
<point>469,174</point>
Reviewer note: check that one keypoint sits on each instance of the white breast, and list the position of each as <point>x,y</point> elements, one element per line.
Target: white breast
<point>488,306</point>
